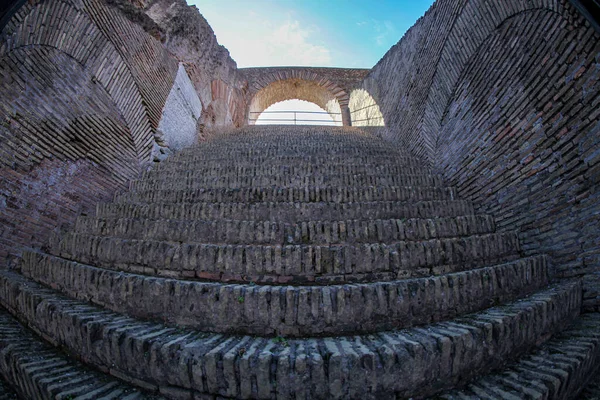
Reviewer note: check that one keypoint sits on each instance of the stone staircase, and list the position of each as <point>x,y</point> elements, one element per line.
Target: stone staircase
<point>296,263</point>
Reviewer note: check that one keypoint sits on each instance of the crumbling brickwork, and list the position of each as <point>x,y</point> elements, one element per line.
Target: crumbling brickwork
<point>83,90</point>
<point>508,112</point>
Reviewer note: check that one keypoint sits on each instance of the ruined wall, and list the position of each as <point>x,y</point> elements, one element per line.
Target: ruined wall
<point>82,94</point>
<point>187,35</point>
<point>329,88</point>
<point>504,100</point>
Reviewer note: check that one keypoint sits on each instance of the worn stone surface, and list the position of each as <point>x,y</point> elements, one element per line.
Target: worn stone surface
<point>556,370</point>
<point>279,298</point>
<point>253,367</point>
<point>291,310</point>
<point>38,371</point>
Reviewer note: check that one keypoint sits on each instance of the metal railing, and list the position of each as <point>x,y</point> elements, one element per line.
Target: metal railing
<point>295,118</point>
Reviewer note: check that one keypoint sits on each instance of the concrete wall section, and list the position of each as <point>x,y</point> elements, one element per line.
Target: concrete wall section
<point>178,123</point>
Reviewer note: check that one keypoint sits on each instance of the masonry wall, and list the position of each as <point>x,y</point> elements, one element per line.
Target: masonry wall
<point>178,124</point>
<point>191,40</point>
<point>504,100</point>
<point>82,94</point>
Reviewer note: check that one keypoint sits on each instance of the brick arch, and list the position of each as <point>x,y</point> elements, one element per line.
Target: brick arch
<point>462,43</point>
<point>297,84</point>
<point>289,89</point>
<point>74,34</point>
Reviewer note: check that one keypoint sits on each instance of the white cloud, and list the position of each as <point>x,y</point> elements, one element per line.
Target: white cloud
<point>291,44</point>
<point>257,40</point>
<point>383,30</point>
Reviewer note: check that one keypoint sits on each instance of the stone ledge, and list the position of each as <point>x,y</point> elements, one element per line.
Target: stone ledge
<point>288,310</point>
<point>296,161</point>
<point>198,180</point>
<point>183,170</point>
<point>367,367</point>
<point>297,264</point>
<point>40,372</point>
<point>557,370</point>
<point>267,232</point>
<point>287,212</point>
<point>332,194</point>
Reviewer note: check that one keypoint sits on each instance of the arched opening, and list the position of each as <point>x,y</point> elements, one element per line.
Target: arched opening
<point>364,111</point>
<point>297,112</point>
<point>295,89</point>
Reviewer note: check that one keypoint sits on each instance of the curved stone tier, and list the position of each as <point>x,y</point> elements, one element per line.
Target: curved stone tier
<point>288,212</point>
<point>40,372</point>
<point>428,359</point>
<point>293,264</point>
<point>294,195</point>
<point>302,232</point>
<point>556,370</point>
<point>291,310</point>
<point>287,263</point>
<point>195,180</point>
<point>306,170</point>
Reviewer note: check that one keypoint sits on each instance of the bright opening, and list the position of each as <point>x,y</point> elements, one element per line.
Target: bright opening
<point>298,112</point>
<point>364,111</point>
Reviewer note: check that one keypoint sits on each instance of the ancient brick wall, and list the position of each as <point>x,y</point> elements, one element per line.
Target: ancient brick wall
<point>82,93</point>
<point>329,88</point>
<point>189,37</point>
<point>508,111</point>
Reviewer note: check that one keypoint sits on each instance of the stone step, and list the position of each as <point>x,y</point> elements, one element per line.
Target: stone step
<point>305,145</point>
<point>197,180</point>
<point>319,152</point>
<point>166,170</point>
<point>38,371</point>
<point>556,370</point>
<point>299,195</point>
<point>320,147</point>
<point>292,264</point>
<point>296,160</point>
<point>267,232</point>
<point>288,212</point>
<point>6,392</point>
<point>427,359</point>
<point>269,310</point>
<point>275,139</point>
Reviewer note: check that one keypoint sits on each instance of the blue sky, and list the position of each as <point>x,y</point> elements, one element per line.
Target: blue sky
<point>326,33</point>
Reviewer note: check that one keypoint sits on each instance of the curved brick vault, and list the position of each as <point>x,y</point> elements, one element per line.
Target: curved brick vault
<point>329,88</point>
<point>457,258</point>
